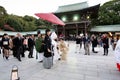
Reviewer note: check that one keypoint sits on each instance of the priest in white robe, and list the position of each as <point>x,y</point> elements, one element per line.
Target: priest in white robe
<point>117,54</point>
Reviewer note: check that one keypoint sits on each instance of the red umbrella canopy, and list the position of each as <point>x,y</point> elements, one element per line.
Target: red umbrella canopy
<point>51,18</point>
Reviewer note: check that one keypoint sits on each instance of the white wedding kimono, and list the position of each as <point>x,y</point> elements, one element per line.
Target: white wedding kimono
<point>55,50</point>
<point>55,44</point>
<point>117,54</point>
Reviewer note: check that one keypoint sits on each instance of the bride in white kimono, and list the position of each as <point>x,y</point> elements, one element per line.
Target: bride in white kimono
<point>56,56</point>
<point>117,54</point>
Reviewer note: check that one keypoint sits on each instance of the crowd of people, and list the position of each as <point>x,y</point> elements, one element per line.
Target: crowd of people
<point>93,40</point>
<point>18,45</point>
<point>103,41</point>
<point>48,48</point>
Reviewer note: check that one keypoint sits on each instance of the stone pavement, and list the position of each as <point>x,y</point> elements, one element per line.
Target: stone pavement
<point>77,67</point>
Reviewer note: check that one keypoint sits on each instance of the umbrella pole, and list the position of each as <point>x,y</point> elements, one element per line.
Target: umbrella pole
<point>56,29</point>
<point>76,29</point>
<point>64,31</point>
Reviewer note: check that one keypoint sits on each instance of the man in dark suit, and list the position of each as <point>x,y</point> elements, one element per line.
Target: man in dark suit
<point>18,43</point>
<point>31,44</point>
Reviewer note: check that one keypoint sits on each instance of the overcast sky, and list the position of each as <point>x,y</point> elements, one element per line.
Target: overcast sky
<point>29,7</point>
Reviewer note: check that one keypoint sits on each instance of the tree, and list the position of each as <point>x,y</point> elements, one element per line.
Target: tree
<point>26,23</point>
<point>3,14</point>
<point>109,13</point>
<point>14,22</point>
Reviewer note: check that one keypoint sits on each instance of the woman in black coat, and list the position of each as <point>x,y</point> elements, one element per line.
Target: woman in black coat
<point>94,43</point>
<point>105,44</point>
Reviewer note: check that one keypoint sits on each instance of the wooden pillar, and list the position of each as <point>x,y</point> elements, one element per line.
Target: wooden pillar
<point>85,28</point>
<point>64,30</point>
<point>76,29</point>
<point>56,30</point>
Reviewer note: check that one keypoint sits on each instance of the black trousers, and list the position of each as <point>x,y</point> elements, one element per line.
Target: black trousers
<point>30,52</point>
<point>22,51</point>
<point>93,49</point>
<point>14,51</point>
<point>19,52</point>
<point>0,50</point>
<point>80,45</point>
<point>106,51</point>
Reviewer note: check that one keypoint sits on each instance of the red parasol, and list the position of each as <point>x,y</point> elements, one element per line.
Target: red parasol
<point>50,17</point>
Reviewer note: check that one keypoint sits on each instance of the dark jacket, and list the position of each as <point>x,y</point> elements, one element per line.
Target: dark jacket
<point>31,42</point>
<point>77,40</point>
<point>47,45</point>
<point>86,40</point>
<point>105,43</point>
<point>94,42</point>
<point>18,42</point>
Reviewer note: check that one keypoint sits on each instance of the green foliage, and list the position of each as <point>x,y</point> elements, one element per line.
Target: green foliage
<point>109,13</point>
<point>19,24</point>
<point>26,23</point>
<point>3,14</point>
<point>14,22</point>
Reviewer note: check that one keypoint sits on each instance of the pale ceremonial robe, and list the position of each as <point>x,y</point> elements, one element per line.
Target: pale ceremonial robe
<point>63,46</point>
<point>55,44</point>
<point>117,52</point>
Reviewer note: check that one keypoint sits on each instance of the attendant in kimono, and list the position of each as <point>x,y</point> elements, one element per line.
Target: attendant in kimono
<point>117,54</point>
<point>48,56</point>
<point>64,49</point>
<point>55,47</point>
